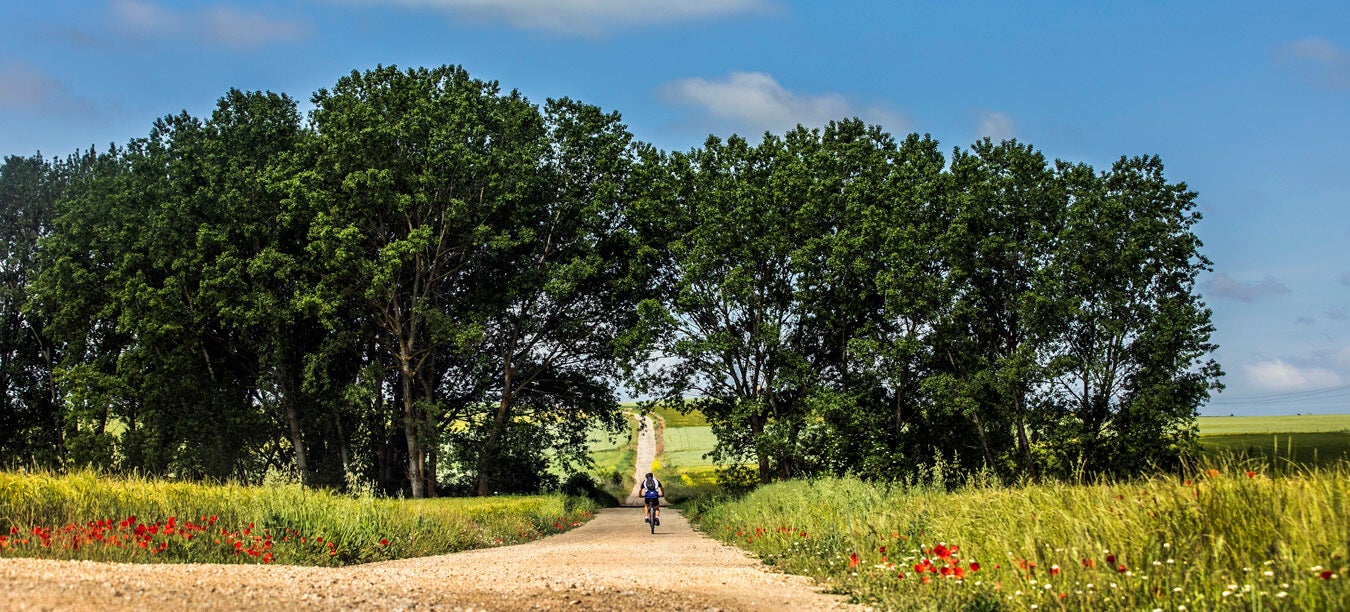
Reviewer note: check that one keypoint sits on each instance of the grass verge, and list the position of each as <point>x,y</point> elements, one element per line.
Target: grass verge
<point>1232,537</point>
<point>92,517</point>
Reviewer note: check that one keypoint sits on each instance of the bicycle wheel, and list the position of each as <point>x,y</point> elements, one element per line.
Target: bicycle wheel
<point>651,511</point>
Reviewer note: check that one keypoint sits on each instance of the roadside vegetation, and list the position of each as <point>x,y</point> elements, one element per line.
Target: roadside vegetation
<point>92,517</point>
<point>1232,536</point>
<point>1242,532</point>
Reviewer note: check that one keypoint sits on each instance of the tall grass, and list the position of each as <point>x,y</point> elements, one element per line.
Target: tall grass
<point>1229,538</point>
<point>88,516</point>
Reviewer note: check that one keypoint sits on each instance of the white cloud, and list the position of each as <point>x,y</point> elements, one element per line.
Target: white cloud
<point>996,126</point>
<point>755,102</point>
<point>24,87</point>
<point>586,16</point>
<point>1277,375</point>
<point>1223,285</point>
<point>220,24</point>
<point>238,28</point>
<point>1316,49</point>
<point>1330,60</point>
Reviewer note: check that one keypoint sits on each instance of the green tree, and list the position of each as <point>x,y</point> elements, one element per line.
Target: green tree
<point>411,169</point>
<point>1127,336</point>
<point>31,418</point>
<point>1006,210</point>
<point>728,325</point>
<point>560,294</point>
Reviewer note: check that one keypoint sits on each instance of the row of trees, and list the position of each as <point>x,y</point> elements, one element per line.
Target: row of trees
<point>842,302</point>
<point>439,286</point>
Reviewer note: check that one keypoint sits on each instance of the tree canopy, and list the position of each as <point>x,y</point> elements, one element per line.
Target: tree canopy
<point>440,287</point>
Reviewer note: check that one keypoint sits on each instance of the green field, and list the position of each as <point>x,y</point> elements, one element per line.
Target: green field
<point>686,446</point>
<point>1279,441</point>
<point>674,418</point>
<point>1308,423</point>
<point>1281,450</point>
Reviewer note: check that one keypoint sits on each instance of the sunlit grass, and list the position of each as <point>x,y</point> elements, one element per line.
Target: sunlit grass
<point>1306,423</point>
<point>1230,538</point>
<point>87,516</point>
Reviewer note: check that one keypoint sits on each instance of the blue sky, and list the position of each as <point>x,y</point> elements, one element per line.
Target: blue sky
<point>1248,102</point>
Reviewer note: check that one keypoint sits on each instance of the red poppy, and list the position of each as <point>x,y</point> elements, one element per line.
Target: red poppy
<point>267,557</point>
<point>384,542</point>
<point>1326,575</point>
<point>942,551</point>
<point>1089,563</point>
<point>1251,474</point>
<point>1212,473</point>
<point>974,567</point>
<point>1111,559</point>
<point>1122,569</point>
<point>882,550</point>
<point>926,580</point>
<point>1054,570</point>
<point>853,560</point>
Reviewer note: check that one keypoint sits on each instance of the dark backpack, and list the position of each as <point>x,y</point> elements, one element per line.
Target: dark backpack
<point>650,484</point>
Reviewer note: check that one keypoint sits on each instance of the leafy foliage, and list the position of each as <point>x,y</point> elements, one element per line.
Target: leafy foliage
<point>436,286</point>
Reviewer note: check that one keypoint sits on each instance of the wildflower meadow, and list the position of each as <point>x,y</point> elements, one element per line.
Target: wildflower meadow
<point>91,517</point>
<point>1229,537</point>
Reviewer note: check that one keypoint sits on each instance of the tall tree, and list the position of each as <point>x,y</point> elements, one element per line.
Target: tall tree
<point>1127,337</point>
<point>561,289</point>
<point>411,170</point>
<point>31,416</point>
<point>1007,209</point>
<point>727,325</point>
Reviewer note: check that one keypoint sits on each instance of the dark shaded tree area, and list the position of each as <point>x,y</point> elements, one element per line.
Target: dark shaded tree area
<point>436,286</point>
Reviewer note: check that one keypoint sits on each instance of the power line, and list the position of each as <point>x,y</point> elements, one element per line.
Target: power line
<point>1341,392</point>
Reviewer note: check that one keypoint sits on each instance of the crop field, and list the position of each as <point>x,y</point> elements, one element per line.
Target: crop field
<point>675,418</point>
<point>1307,423</point>
<point>91,517</point>
<point>1283,442</point>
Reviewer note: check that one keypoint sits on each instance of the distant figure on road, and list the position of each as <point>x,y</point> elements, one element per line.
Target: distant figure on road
<point>652,492</point>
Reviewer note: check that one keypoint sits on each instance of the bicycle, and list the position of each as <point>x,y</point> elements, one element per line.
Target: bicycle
<point>652,504</point>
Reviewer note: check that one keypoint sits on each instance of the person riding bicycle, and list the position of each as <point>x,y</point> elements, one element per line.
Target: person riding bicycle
<point>652,492</point>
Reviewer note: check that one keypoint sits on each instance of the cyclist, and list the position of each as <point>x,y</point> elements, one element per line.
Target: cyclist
<point>652,492</point>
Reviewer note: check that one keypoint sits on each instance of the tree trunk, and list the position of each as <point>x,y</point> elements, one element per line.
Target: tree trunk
<point>489,451</point>
<point>756,430</point>
<point>1022,441</point>
<point>984,442</point>
<point>297,441</point>
<point>410,433</point>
